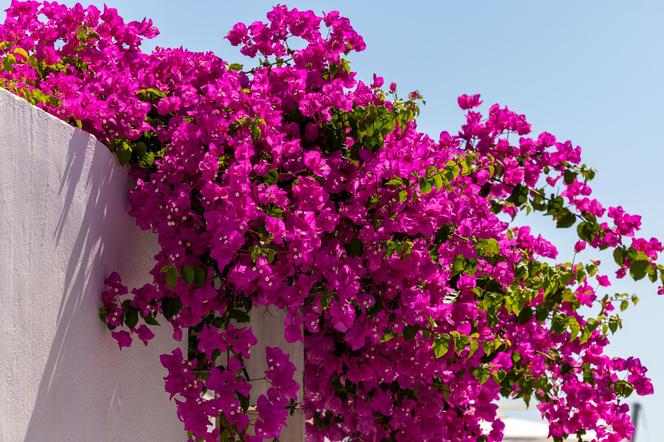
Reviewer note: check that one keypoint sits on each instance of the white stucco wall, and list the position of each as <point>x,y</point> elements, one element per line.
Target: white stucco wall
<point>63,228</point>
<point>267,325</point>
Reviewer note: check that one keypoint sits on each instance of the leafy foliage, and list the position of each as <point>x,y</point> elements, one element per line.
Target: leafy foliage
<point>294,185</point>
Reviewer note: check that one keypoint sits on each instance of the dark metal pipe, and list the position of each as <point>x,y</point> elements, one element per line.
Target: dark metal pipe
<point>636,411</point>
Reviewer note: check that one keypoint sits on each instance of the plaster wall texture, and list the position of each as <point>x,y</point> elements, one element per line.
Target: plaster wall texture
<point>268,327</point>
<point>63,228</point>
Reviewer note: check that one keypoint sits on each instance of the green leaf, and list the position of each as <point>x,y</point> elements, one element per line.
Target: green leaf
<point>443,234</point>
<point>240,316</point>
<point>123,152</point>
<point>538,202</point>
<point>200,276</point>
<point>165,268</point>
<point>541,314</point>
<point>235,67</point>
<point>226,436</point>
<point>410,331</point>
<point>272,177</point>
<point>403,196</point>
<point>438,181</point>
<point>519,195</point>
<point>150,92</point>
<point>473,345</point>
<point>559,323</point>
<point>574,328</point>
<point>524,315</point>
<point>490,346</point>
<point>487,247</point>
<point>459,264</point>
<point>637,269</point>
<point>146,161</point>
<point>481,374</point>
<point>188,274</point>
<point>652,273</point>
<point>102,316</point>
<point>394,182</point>
<point>387,337</point>
<point>452,171</point>
<point>140,148</point>
<point>585,231</point>
<point>569,176</point>
<point>171,306</point>
<point>150,320</point>
<point>131,318</point>
<point>565,219</point>
<point>325,300</point>
<point>623,388</point>
<point>619,256</point>
<point>355,247</point>
<point>624,305</point>
<point>614,324</point>
<point>8,62</point>
<point>21,52</point>
<point>82,33</point>
<point>555,204</point>
<point>441,345</point>
<point>256,252</point>
<point>171,277</point>
<point>171,274</point>
<point>460,341</point>
<point>255,131</point>
<point>425,186</point>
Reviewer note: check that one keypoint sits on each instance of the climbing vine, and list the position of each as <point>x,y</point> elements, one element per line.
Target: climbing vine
<point>293,185</point>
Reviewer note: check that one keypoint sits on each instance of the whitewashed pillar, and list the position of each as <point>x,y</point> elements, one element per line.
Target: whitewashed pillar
<point>268,327</point>
<point>63,228</point>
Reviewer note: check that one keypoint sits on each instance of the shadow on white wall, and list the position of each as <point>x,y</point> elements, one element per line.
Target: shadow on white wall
<point>65,227</point>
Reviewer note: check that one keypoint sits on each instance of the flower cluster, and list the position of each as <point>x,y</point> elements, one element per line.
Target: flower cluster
<point>296,186</point>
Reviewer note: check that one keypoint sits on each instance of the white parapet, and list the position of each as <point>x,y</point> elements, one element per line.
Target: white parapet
<point>63,228</point>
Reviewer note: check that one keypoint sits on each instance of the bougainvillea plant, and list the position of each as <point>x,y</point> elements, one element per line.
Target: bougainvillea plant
<point>294,185</point>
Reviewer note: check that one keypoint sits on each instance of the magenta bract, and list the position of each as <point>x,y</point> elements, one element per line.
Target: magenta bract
<point>293,185</point>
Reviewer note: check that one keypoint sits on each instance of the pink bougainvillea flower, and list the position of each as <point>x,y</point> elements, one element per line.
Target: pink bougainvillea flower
<point>144,334</point>
<point>469,101</point>
<point>295,186</point>
<point>123,338</point>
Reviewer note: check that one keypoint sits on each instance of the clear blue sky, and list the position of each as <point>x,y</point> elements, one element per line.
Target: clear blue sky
<point>590,71</point>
